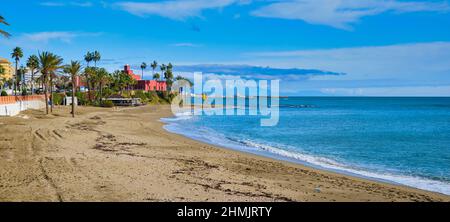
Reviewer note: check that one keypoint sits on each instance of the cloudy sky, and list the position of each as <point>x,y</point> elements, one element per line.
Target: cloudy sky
<point>315,47</point>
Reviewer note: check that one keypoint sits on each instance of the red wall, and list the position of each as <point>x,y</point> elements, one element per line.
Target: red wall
<point>128,70</point>
<point>151,85</point>
<point>146,85</point>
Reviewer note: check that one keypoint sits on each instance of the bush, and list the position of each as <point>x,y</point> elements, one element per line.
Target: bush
<point>24,92</point>
<point>172,96</point>
<point>57,98</point>
<point>107,92</point>
<point>127,94</point>
<point>107,103</point>
<point>4,93</point>
<point>82,98</point>
<point>141,95</point>
<point>164,97</point>
<point>152,97</point>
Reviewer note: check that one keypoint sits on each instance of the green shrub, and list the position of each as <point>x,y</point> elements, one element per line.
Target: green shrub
<point>57,98</point>
<point>153,97</point>
<point>127,94</point>
<point>164,97</point>
<point>172,96</point>
<point>4,93</point>
<point>141,95</point>
<point>82,98</point>
<point>107,103</point>
<point>107,92</point>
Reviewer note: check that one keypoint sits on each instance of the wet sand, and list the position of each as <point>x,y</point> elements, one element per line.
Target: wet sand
<point>126,155</point>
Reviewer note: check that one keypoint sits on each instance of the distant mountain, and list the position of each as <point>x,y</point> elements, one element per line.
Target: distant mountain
<point>247,70</point>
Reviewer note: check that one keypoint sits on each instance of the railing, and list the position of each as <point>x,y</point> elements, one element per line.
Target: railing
<point>14,99</point>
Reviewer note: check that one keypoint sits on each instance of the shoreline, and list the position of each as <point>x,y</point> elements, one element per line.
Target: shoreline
<point>126,155</point>
<point>285,156</point>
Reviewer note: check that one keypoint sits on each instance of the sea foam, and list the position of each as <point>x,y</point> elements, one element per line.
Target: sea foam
<point>179,125</point>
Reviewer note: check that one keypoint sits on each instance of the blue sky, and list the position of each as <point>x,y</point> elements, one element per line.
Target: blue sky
<point>348,47</point>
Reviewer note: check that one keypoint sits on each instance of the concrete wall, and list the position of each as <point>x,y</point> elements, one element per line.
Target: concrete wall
<point>14,108</point>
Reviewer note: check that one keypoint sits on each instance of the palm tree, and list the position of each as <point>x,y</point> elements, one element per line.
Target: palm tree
<point>96,57</point>
<point>156,76</point>
<point>101,77</point>
<point>117,80</point>
<point>74,70</point>
<point>40,81</point>
<point>33,64</point>
<point>154,65</point>
<point>185,79</point>
<point>168,75</point>
<point>89,74</point>
<point>143,67</point>
<point>48,64</point>
<point>21,80</point>
<point>2,78</point>
<point>104,80</point>
<point>169,70</point>
<point>169,66</point>
<point>122,81</point>
<point>89,57</point>
<point>16,55</point>
<point>4,33</point>
<point>53,76</point>
<point>163,68</point>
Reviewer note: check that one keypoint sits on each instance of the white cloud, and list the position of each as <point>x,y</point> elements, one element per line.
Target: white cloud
<point>42,40</point>
<point>372,70</point>
<point>66,37</point>
<point>417,60</point>
<point>342,14</point>
<point>186,44</point>
<point>177,10</point>
<point>82,4</point>
<point>62,4</point>
<point>52,4</point>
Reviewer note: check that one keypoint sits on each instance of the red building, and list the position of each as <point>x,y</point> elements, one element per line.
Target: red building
<point>128,71</point>
<point>146,85</point>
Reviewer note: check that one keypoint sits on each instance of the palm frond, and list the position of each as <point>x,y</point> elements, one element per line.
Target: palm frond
<point>2,20</point>
<point>5,34</point>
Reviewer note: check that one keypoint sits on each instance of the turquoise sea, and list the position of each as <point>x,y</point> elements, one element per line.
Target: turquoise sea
<point>398,140</point>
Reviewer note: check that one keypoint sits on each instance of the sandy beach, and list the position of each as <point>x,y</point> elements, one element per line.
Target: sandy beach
<point>125,155</point>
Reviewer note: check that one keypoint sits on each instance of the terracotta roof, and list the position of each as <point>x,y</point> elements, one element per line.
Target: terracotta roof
<point>2,60</point>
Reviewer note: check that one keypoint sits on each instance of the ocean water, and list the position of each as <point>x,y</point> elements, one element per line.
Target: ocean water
<point>398,140</point>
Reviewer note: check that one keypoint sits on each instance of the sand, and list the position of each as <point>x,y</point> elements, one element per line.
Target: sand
<point>125,155</point>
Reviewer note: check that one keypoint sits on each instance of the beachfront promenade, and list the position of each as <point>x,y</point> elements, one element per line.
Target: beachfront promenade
<point>13,105</point>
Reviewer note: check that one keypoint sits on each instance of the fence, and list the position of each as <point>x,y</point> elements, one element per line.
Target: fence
<point>13,105</point>
<point>14,99</point>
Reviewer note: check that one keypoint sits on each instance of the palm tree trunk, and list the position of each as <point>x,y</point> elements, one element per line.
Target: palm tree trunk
<point>46,96</point>
<point>23,83</point>
<point>32,82</point>
<point>73,96</point>
<point>15,80</point>
<point>101,93</point>
<point>88,88</point>
<point>51,93</point>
